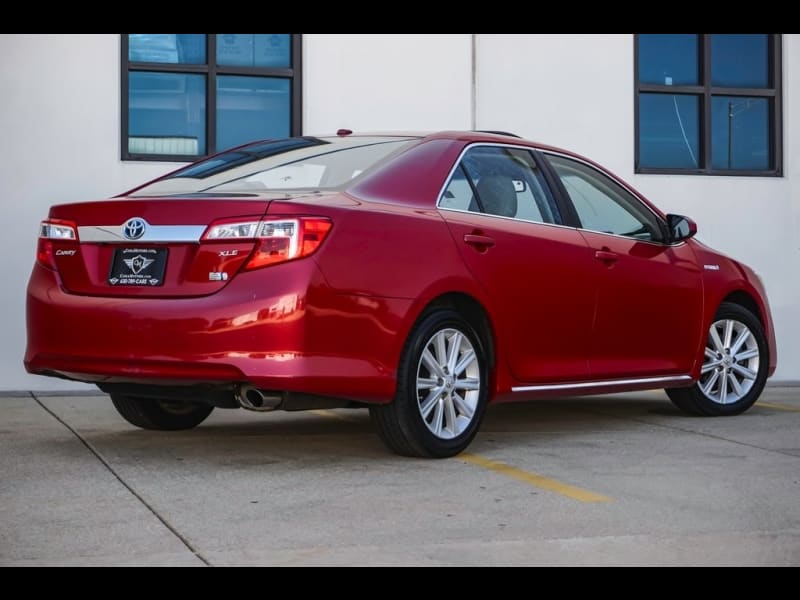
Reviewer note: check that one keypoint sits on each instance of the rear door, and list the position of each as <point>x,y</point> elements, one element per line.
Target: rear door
<point>650,294</point>
<point>537,272</point>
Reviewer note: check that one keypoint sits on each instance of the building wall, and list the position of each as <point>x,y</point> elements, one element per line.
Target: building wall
<point>60,111</point>
<point>380,82</point>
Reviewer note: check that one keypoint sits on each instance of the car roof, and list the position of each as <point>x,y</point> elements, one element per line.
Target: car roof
<point>495,137</point>
<point>456,135</point>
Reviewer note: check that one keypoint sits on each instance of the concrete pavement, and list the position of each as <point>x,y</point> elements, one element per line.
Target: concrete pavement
<point>608,480</point>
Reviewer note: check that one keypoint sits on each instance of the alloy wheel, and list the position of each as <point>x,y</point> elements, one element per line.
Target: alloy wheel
<point>731,362</point>
<point>448,383</point>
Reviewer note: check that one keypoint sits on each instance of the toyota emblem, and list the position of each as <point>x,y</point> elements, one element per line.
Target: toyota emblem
<point>134,228</point>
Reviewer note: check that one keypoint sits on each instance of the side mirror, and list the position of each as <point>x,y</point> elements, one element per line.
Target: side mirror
<point>680,228</point>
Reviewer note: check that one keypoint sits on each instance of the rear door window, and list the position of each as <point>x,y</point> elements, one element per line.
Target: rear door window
<point>501,181</point>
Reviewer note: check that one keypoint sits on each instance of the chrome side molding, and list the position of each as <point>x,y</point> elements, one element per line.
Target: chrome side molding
<point>656,381</point>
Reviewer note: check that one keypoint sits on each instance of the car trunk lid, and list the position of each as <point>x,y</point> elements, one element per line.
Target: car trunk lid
<point>151,246</point>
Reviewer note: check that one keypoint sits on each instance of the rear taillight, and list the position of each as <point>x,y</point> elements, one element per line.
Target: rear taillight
<point>57,230</point>
<point>278,240</point>
<point>51,233</point>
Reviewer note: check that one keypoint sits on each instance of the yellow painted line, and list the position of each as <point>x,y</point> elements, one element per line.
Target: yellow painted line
<point>778,406</point>
<point>535,479</point>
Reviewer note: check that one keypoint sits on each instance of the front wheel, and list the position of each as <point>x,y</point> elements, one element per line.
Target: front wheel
<point>442,389</point>
<point>162,415</point>
<point>734,369</point>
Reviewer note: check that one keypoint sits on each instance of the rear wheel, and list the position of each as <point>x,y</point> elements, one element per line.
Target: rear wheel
<point>442,390</point>
<point>734,369</point>
<point>163,415</point>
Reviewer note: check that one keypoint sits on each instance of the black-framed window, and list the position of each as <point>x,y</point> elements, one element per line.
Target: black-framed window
<point>708,104</point>
<point>186,96</point>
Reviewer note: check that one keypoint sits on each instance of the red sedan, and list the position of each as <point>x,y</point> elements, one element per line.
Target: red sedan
<point>422,276</point>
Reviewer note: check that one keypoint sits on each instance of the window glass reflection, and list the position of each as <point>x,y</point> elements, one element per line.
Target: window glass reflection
<point>254,49</point>
<point>668,59</point>
<point>185,48</point>
<point>740,60</point>
<point>669,131</point>
<point>740,133</point>
<point>251,108</point>
<point>166,113</point>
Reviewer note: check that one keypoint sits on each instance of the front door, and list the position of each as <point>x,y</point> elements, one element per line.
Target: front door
<point>650,294</point>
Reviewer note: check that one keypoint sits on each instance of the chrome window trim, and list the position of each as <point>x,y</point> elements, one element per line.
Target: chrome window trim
<point>480,214</point>
<point>614,235</point>
<point>153,233</point>
<point>633,239</point>
<point>604,383</point>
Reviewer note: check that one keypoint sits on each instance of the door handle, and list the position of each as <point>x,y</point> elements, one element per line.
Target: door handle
<point>606,256</point>
<point>479,241</point>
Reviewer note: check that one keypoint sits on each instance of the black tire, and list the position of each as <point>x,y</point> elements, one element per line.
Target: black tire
<point>694,401</point>
<point>401,425</point>
<point>160,415</point>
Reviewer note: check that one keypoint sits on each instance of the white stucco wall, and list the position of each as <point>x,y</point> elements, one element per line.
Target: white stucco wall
<point>59,138</point>
<point>386,81</point>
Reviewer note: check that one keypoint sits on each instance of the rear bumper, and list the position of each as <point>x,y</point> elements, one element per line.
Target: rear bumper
<point>280,328</point>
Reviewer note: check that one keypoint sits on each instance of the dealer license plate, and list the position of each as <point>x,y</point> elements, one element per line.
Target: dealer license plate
<point>138,266</point>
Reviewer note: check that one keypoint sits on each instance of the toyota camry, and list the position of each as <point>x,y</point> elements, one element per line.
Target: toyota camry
<point>421,276</point>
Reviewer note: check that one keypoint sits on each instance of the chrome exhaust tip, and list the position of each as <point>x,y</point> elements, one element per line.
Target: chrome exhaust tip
<point>251,398</point>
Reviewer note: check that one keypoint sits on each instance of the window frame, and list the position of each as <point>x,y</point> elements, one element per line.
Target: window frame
<point>704,92</point>
<point>211,70</point>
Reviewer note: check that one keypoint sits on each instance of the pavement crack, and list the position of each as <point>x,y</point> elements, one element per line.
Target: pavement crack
<point>90,447</point>
<point>691,431</point>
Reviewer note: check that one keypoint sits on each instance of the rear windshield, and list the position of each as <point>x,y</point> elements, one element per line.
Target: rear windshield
<point>287,164</point>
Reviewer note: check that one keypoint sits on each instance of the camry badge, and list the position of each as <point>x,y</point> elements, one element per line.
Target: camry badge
<point>134,228</point>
